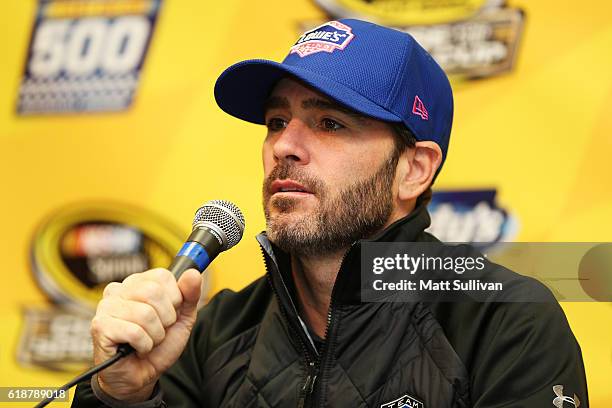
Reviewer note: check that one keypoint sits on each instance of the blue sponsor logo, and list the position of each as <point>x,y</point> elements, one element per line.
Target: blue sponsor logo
<point>470,216</point>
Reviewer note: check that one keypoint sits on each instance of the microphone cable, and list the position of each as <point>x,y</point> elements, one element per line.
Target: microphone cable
<point>122,351</point>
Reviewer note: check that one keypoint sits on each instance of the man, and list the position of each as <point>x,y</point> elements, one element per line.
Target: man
<point>359,119</point>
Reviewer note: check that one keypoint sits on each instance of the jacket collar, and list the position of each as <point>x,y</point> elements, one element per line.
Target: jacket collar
<point>347,288</point>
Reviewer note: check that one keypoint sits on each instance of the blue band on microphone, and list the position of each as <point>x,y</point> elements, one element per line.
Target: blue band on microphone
<point>196,252</point>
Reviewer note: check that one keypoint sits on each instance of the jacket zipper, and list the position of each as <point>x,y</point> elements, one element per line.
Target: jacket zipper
<point>308,387</point>
<point>313,367</point>
<point>325,349</point>
<point>311,364</point>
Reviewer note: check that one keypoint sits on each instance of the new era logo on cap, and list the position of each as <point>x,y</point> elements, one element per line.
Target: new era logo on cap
<point>418,108</point>
<point>328,37</point>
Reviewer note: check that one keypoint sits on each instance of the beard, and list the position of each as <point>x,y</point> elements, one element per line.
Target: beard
<point>355,212</point>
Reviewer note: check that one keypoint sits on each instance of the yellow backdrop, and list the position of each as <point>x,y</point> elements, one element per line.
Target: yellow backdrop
<point>541,135</point>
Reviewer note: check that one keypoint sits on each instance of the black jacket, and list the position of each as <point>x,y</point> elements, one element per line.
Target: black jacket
<point>250,349</point>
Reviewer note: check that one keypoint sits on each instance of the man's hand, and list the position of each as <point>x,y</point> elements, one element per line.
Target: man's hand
<point>154,314</point>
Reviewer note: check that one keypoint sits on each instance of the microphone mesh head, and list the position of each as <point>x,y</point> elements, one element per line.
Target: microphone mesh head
<point>224,215</point>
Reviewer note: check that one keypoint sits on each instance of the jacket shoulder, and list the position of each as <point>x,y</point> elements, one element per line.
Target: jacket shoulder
<point>526,347</point>
<point>230,313</point>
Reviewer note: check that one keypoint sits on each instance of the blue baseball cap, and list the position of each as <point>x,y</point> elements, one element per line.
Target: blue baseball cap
<point>374,70</point>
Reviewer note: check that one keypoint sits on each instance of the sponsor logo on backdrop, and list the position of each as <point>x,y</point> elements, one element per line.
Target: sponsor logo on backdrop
<point>470,216</point>
<point>86,56</point>
<point>75,253</point>
<point>80,249</point>
<point>468,38</point>
<point>55,338</point>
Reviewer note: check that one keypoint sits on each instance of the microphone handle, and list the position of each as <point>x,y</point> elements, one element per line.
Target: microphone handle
<point>200,249</point>
<point>202,246</point>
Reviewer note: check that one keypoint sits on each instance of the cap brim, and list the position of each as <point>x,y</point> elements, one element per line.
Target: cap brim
<point>243,89</point>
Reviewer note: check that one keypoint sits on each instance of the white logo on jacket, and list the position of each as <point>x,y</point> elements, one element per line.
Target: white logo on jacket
<point>560,398</point>
<point>405,401</point>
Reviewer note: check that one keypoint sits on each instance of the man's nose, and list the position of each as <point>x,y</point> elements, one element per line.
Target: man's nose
<point>291,143</point>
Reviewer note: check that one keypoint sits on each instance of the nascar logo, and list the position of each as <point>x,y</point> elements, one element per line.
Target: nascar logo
<point>328,37</point>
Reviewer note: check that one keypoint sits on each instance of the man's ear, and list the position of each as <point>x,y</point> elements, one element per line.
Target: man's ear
<point>419,169</point>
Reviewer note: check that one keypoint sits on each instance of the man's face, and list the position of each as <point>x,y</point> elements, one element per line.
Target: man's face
<point>329,173</point>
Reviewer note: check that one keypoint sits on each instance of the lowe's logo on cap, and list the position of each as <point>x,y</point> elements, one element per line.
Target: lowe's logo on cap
<point>328,37</point>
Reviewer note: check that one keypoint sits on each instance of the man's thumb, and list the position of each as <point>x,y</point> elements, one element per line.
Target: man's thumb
<point>190,285</point>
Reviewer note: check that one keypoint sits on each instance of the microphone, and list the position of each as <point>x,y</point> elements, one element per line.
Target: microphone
<point>217,226</point>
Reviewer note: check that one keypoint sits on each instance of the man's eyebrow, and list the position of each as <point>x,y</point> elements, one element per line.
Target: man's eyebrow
<point>276,102</point>
<point>317,103</point>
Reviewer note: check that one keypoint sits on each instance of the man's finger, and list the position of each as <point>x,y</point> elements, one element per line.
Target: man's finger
<point>167,280</point>
<point>108,332</point>
<point>153,293</point>
<point>140,313</point>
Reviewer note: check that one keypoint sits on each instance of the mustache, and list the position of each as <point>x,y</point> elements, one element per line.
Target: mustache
<point>286,170</point>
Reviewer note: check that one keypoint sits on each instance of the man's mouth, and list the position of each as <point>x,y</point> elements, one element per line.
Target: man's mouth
<point>288,187</point>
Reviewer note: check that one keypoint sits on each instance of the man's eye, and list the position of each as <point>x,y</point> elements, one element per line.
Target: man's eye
<point>330,125</point>
<point>276,124</point>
